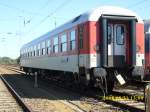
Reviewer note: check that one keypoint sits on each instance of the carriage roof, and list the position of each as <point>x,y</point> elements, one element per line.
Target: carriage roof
<point>92,15</point>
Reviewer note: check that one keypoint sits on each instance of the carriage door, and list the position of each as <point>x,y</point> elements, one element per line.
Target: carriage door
<point>116,37</point>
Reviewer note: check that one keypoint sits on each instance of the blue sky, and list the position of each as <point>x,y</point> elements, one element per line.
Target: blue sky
<point>24,20</point>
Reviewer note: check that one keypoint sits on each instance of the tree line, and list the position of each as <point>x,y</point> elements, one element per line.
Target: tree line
<point>8,60</point>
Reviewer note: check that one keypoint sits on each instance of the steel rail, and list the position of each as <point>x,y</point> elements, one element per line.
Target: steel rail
<point>25,107</point>
<point>110,102</point>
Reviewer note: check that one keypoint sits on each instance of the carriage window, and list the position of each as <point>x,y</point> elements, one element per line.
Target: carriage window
<point>34,51</point>
<point>109,34</point>
<point>55,46</point>
<point>26,52</point>
<point>38,50</point>
<point>63,43</point>
<point>48,47</point>
<point>72,40</point>
<point>43,48</point>
<point>120,33</point>
<point>21,53</point>
<point>31,51</point>
<point>81,28</point>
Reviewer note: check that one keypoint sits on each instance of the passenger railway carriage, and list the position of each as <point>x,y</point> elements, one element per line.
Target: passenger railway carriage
<point>147,49</point>
<point>95,47</point>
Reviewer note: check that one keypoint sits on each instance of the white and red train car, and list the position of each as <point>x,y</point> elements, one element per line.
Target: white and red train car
<point>95,45</point>
<point>147,49</point>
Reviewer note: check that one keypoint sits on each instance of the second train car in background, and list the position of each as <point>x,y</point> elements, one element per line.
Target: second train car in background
<point>94,47</point>
<point>147,49</point>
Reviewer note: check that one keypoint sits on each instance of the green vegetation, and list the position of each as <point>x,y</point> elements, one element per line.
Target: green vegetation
<point>7,60</point>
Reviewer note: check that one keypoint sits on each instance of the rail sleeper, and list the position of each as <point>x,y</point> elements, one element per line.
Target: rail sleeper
<point>7,102</point>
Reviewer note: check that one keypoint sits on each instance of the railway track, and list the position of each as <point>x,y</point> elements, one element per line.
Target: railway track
<point>37,103</point>
<point>10,100</point>
<point>48,99</point>
<point>123,103</point>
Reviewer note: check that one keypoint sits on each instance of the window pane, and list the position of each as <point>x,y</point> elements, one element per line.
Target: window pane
<point>72,45</point>
<point>43,44</point>
<point>64,47</point>
<point>72,35</point>
<point>34,47</point>
<point>43,51</point>
<point>55,49</point>
<point>81,32</point>
<point>109,35</point>
<point>48,43</point>
<point>39,52</point>
<point>28,52</point>
<point>34,53</point>
<point>63,38</point>
<point>55,40</point>
<point>80,43</point>
<point>48,50</point>
<point>38,46</point>
<point>63,43</point>
<point>120,34</point>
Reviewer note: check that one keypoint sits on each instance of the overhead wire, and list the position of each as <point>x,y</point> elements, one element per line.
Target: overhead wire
<point>19,9</point>
<point>45,4</point>
<point>66,2</point>
<point>136,4</point>
<point>41,8</point>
